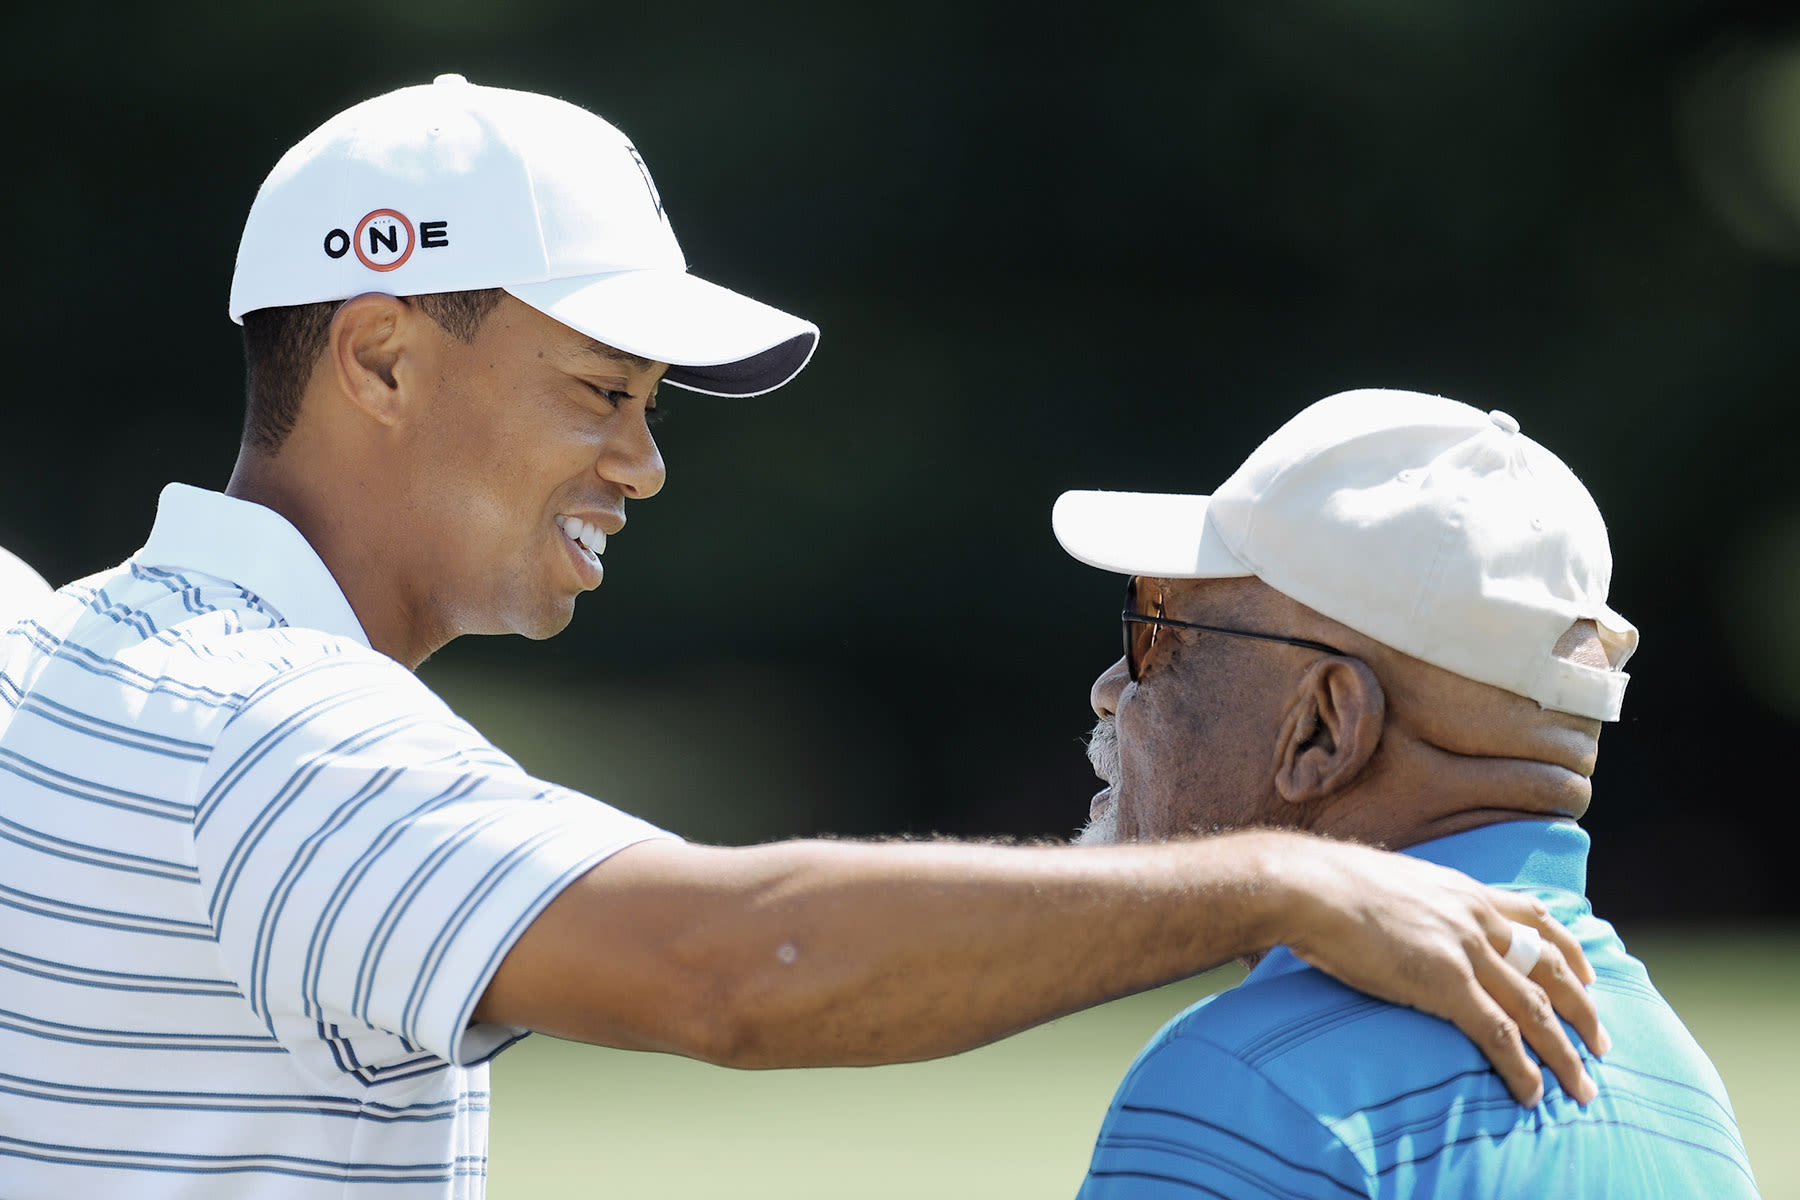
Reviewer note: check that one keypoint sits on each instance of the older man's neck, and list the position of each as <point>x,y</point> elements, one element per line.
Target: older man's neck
<point>1425,792</point>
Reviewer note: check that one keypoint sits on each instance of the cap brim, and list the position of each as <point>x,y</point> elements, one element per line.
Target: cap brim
<point>1144,533</point>
<point>713,339</point>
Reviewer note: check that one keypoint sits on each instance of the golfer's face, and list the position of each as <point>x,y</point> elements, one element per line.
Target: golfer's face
<point>538,437</point>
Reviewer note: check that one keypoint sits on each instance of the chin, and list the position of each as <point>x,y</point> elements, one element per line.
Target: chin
<point>545,622</point>
<point>1102,830</point>
<point>547,629</point>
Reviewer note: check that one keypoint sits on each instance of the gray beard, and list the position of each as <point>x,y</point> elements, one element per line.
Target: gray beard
<point>1100,831</point>
<point>1103,753</point>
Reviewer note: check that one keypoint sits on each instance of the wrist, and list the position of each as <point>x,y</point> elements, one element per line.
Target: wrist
<point>1282,907</point>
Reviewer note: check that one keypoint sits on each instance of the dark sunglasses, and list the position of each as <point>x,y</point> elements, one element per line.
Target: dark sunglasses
<point>1137,644</point>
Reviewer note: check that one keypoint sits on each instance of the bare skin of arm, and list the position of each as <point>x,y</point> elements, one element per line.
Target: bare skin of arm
<point>831,953</point>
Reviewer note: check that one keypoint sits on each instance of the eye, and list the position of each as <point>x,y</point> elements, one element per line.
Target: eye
<point>611,395</point>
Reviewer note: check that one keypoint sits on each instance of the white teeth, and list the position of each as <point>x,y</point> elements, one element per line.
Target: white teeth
<point>592,539</point>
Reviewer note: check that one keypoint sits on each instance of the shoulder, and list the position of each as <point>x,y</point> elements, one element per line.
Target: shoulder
<point>1202,1108</point>
<point>208,660</point>
<point>1285,1026</point>
<point>158,622</point>
<point>314,694</point>
<point>1277,1063</point>
<point>178,655</point>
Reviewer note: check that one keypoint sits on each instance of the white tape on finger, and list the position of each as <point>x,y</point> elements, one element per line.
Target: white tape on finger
<point>1526,947</point>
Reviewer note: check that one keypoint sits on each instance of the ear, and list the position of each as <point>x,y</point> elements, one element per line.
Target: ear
<point>1330,730</point>
<point>375,349</point>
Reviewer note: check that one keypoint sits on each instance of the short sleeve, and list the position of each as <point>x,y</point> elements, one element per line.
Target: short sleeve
<point>1192,1120</point>
<point>368,858</point>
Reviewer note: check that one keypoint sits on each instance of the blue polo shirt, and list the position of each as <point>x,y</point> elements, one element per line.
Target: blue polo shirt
<point>1293,1085</point>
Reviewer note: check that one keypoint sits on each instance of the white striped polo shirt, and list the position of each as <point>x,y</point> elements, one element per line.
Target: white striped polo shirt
<point>254,877</point>
<point>20,586</point>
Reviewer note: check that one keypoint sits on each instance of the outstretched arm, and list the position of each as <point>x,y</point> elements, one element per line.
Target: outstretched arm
<point>831,953</point>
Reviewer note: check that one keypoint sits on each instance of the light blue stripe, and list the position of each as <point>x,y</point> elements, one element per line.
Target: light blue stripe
<point>264,745</point>
<point>340,895</point>
<point>249,1103</point>
<point>87,789</point>
<point>130,922</point>
<point>99,603</point>
<point>119,981</point>
<point>363,993</point>
<point>136,739</point>
<point>513,932</point>
<point>291,790</point>
<point>303,858</point>
<point>438,951</point>
<point>191,591</point>
<point>227,1164</point>
<point>76,655</point>
<point>401,1072</point>
<point>173,743</point>
<point>116,860</point>
<point>129,1039</point>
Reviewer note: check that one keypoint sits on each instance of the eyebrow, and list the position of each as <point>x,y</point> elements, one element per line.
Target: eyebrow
<point>602,350</point>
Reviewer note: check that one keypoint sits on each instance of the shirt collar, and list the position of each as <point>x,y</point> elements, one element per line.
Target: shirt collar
<point>1515,854</point>
<point>253,547</point>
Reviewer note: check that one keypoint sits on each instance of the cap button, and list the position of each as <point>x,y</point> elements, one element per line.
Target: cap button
<point>450,78</point>
<point>1504,420</point>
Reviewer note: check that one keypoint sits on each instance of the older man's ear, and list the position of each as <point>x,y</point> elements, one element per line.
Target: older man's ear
<point>1330,730</point>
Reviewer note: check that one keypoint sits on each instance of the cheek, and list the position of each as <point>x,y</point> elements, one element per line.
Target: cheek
<point>1151,766</point>
<point>1185,764</point>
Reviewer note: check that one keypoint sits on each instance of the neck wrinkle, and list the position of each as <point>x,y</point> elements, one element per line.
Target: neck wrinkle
<point>1417,791</point>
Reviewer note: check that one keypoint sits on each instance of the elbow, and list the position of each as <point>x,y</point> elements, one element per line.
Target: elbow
<point>724,1019</point>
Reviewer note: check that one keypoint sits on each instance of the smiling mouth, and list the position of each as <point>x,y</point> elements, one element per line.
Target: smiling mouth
<point>590,538</point>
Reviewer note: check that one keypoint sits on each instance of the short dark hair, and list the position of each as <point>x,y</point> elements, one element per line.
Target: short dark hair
<point>282,345</point>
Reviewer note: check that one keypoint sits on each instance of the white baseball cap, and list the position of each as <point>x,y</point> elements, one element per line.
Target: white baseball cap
<point>451,187</point>
<point>20,587</point>
<point>1425,524</point>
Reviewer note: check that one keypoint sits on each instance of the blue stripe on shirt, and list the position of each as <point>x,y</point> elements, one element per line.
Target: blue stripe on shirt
<point>98,793</point>
<point>120,981</point>
<point>103,918</point>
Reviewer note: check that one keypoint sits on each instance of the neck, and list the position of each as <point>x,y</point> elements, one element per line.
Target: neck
<point>1416,791</point>
<point>314,503</point>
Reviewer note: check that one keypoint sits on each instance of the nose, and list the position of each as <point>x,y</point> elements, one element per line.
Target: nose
<point>1104,695</point>
<point>633,463</point>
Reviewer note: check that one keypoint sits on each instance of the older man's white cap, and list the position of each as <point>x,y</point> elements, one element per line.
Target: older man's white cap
<point>20,587</point>
<point>1433,527</point>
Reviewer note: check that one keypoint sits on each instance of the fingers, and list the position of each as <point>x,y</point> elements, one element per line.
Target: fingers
<point>1529,910</point>
<point>1561,971</point>
<point>1529,1010</point>
<point>1497,1035</point>
<point>1434,939</point>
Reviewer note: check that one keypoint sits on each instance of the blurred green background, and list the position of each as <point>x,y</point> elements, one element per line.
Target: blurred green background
<point>1051,246</point>
<point>1015,1120</point>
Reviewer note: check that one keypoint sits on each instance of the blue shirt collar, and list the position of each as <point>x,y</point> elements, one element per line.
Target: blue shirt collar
<point>210,533</point>
<point>1517,854</point>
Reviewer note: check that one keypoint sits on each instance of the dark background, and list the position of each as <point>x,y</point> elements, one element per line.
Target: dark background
<point>1050,246</point>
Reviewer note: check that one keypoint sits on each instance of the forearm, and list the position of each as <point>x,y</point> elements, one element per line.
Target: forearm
<point>861,954</point>
<point>816,953</point>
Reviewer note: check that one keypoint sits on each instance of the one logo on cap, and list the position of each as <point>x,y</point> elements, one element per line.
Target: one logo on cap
<point>385,238</point>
